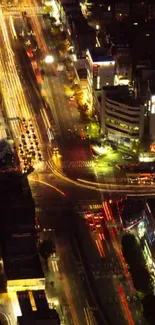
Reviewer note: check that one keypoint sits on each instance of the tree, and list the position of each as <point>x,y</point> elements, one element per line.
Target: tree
<point>148,303</point>
<point>55,30</point>
<point>142,280</point>
<point>93,129</point>
<point>52,20</point>
<point>46,249</point>
<point>48,10</point>
<point>62,46</point>
<point>133,255</point>
<point>68,91</point>
<point>67,62</point>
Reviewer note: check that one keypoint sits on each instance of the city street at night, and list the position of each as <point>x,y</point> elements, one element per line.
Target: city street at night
<point>76,167</point>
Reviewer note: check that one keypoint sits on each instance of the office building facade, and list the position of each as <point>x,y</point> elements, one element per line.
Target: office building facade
<point>122,119</point>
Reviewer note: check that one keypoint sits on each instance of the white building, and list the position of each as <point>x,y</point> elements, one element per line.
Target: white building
<point>122,117</point>
<point>102,67</point>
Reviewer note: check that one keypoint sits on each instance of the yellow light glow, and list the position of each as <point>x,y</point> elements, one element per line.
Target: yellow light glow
<point>49,59</point>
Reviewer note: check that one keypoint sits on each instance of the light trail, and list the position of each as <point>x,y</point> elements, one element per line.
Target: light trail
<point>33,9</point>
<point>113,234</point>
<point>12,28</point>
<point>88,316</point>
<point>69,298</point>
<point>125,305</point>
<point>100,248</point>
<point>48,185</point>
<point>11,88</point>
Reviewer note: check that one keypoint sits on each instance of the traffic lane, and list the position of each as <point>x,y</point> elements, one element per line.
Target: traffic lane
<point>68,267</point>
<point>70,118</point>
<point>58,218</point>
<point>101,284</point>
<point>91,309</point>
<point>64,116</point>
<point>68,107</point>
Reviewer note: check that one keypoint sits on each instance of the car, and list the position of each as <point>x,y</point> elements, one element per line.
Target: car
<point>98,225</point>
<point>55,150</point>
<point>148,182</point>
<point>134,181</point>
<point>88,214</point>
<point>127,157</point>
<point>96,216</point>
<point>90,222</point>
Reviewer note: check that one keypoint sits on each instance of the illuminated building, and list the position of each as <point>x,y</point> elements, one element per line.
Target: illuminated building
<point>102,67</point>
<point>34,309</point>
<point>111,9</point>
<point>122,117</point>
<point>131,212</point>
<point>152,122</point>
<point>86,85</point>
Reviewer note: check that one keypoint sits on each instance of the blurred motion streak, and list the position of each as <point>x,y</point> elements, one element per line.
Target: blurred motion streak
<point>88,317</point>
<point>100,248</point>
<point>113,233</point>
<point>13,31</point>
<point>47,184</point>
<point>69,298</point>
<point>125,305</point>
<point>11,88</point>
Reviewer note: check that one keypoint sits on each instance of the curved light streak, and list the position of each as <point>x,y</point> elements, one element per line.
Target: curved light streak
<point>49,185</point>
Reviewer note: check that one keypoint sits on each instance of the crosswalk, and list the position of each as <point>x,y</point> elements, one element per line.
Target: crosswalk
<point>79,206</point>
<point>78,164</point>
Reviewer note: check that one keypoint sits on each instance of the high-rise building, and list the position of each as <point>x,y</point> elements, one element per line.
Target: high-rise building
<point>122,116</point>
<point>102,67</point>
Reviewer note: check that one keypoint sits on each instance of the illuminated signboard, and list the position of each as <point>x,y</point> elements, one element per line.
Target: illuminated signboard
<point>95,70</point>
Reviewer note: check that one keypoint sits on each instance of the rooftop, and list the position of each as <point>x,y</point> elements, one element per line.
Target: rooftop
<point>20,246</point>
<point>121,94</point>
<point>50,317</point>
<point>23,267</point>
<point>132,209</point>
<point>82,73</point>
<point>100,54</point>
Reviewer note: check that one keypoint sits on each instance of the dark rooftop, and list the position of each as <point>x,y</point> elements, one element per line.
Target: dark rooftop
<point>122,95</point>
<point>99,54</point>
<point>132,210</point>
<point>82,73</point>
<point>23,267</point>
<point>50,317</point>
<point>20,246</point>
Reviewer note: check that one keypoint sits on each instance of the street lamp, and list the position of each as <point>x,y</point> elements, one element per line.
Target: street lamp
<point>97,27</point>
<point>49,59</point>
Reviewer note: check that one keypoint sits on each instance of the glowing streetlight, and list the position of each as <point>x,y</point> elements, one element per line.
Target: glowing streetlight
<point>97,27</point>
<point>49,59</point>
